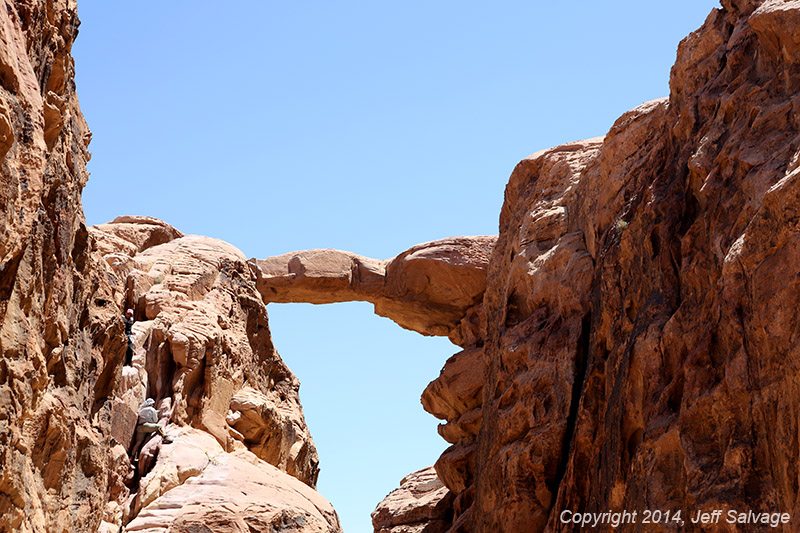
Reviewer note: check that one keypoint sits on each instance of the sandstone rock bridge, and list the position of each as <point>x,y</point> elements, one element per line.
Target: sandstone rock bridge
<point>630,339</point>
<point>203,350</point>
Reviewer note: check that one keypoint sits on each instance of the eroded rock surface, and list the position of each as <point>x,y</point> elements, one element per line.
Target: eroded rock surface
<point>640,302</point>
<point>196,485</point>
<point>68,408</point>
<point>636,339</point>
<point>58,336</point>
<point>629,341</point>
<point>422,504</point>
<point>203,351</point>
<point>428,288</point>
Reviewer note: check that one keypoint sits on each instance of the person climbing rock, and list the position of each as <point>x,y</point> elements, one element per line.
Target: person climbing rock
<point>146,425</point>
<point>129,320</point>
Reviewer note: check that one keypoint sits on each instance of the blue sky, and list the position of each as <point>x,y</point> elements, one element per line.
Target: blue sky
<point>363,126</point>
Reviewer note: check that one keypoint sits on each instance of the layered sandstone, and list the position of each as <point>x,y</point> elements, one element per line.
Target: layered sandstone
<point>422,504</point>
<point>638,346</point>
<point>627,343</point>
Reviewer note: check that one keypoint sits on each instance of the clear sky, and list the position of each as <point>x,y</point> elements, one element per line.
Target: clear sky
<point>363,126</point>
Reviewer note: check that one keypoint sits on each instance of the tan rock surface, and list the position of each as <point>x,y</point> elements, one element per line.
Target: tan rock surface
<point>320,277</point>
<point>67,407</point>
<point>204,352</point>
<point>422,504</point>
<point>210,325</point>
<point>58,337</point>
<point>197,485</point>
<point>428,288</point>
<point>132,234</point>
<point>458,388</point>
<point>634,327</point>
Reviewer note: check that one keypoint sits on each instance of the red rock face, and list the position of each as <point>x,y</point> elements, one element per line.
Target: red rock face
<point>629,342</point>
<point>638,347</point>
<point>56,332</point>
<point>641,350</point>
<point>635,347</point>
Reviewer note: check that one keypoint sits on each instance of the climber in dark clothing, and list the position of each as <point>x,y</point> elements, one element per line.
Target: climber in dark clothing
<point>128,319</point>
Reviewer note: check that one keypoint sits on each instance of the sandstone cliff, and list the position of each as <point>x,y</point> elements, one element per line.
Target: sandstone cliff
<point>639,348</point>
<point>203,351</point>
<point>635,347</point>
<point>640,308</point>
<point>628,340</point>
<point>57,335</point>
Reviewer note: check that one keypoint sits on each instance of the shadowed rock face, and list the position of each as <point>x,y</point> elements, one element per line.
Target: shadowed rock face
<point>56,331</point>
<point>641,348</point>
<point>638,347</point>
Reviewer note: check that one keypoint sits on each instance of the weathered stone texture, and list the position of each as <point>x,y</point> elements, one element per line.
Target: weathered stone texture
<point>422,504</point>
<point>68,408</point>
<point>637,335</point>
<point>59,338</point>
<point>628,341</point>
<point>428,288</point>
<point>197,486</point>
<point>640,304</point>
<point>203,351</point>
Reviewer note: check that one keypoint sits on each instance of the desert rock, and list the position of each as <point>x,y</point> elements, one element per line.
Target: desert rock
<point>636,332</point>
<point>68,407</point>
<point>427,289</point>
<point>422,504</point>
<point>196,484</point>
<point>637,337</point>
<point>57,329</point>
<point>203,351</point>
<point>627,341</point>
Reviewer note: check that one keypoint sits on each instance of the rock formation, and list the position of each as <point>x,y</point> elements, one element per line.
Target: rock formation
<point>627,341</point>
<point>640,301</point>
<point>639,347</point>
<point>210,490</point>
<point>434,288</point>
<point>635,345</point>
<point>68,406</point>
<point>422,504</point>
<point>427,288</point>
<point>58,335</point>
<point>204,352</point>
